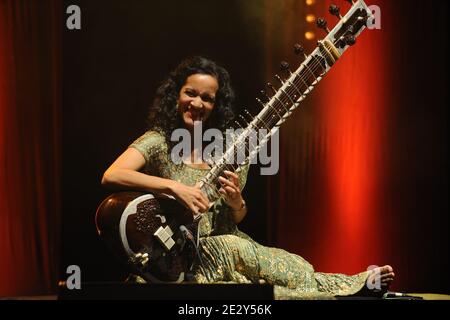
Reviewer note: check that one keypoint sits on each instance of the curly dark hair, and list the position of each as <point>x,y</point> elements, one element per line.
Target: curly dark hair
<point>163,114</point>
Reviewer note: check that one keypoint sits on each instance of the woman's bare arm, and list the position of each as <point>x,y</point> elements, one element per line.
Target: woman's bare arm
<point>124,174</point>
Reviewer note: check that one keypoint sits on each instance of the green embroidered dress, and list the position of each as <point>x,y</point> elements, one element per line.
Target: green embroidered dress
<point>229,255</point>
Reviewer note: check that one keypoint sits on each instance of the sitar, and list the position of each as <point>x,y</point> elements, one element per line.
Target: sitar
<point>156,236</point>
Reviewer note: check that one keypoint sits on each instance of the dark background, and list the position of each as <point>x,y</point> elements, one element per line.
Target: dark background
<point>112,67</point>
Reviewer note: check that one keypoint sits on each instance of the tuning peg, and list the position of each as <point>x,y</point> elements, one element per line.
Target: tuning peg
<point>284,66</point>
<point>335,11</point>
<point>272,87</point>
<point>260,102</point>
<point>322,24</point>
<point>350,40</point>
<point>249,115</point>
<point>299,50</point>
<point>238,124</point>
<point>264,93</point>
<point>245,120</point>
<point>279,79</point>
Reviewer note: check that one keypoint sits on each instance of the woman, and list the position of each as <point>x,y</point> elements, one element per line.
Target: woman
<point>199,90</point>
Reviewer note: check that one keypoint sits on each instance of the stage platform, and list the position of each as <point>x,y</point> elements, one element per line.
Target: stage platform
<point>189,292</point>
<point>183,291</point>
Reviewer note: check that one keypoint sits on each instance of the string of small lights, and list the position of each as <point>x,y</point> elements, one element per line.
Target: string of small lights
<point>310,19</point>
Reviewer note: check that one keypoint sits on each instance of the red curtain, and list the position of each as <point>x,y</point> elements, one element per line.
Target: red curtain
<point>355,119</point>
<point>324,203</point>
<point>30,44</point>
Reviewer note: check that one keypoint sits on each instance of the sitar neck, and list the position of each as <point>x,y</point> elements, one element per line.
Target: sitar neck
<point>292,91</point>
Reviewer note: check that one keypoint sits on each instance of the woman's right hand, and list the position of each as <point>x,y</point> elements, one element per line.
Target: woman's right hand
<point>191,197</point>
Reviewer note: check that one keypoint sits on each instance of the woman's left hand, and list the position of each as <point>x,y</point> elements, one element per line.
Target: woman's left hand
<point>231,191</point>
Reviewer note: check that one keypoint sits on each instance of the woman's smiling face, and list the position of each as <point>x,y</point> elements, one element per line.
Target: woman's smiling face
<point>196,99</point>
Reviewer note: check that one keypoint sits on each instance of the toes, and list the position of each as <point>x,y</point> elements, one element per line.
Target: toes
<point>384,270</point>
<point>388,275</point>
<point>388,269</point>
<point>380,279</point>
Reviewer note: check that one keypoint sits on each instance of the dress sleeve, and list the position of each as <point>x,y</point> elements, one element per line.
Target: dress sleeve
<point>150,145</point>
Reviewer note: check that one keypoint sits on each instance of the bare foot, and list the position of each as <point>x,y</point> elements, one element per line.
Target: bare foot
<point>378,281</point>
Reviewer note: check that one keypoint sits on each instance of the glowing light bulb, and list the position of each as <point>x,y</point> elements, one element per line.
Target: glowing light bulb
<point>310,18</point>
<point>310,35</point>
